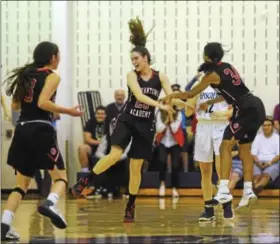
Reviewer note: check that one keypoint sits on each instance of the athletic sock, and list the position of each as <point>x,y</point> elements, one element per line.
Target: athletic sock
<point>248,187</point>
<point>131,200</point>
<point>53,197</point>
<point>7,217</point>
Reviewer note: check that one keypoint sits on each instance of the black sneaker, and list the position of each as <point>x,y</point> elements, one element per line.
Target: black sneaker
<point>8,234</point>
<point>129,214</point>
<point>207,215</point>
<point>228,213</point>
<point>92,194</point>
<point>79,187</point>
<point>48,209</point>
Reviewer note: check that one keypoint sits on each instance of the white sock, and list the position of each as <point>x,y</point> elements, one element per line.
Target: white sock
<point>85,169</point>
<point>223,187</point>
<point>7,217</point>
<point>247,187</point>
<point>53,197</point>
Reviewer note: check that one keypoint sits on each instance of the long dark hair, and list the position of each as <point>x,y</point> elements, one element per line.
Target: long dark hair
<point>19,83</point>
<point>138,38</point>
<point>214,51</point>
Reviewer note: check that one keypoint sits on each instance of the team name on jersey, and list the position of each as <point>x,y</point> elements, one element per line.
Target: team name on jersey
<point>208,95</point>
<point>140,113</point>
<point>150,91</point>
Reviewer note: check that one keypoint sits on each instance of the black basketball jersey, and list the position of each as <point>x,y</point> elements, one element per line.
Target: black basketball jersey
<point>150,88</point>
<point>29,105</point>
<point>231,86</point>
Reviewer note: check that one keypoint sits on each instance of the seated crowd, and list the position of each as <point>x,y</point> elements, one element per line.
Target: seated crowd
<point>173,149</point>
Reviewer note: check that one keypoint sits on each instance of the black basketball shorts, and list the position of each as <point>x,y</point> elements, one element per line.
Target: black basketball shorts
<point>246,121</point>
<point>140,131</point>
<point>34,147</point>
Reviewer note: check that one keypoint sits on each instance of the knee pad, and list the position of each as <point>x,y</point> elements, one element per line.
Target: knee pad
<point>20,191</point>
<point>65,181</point>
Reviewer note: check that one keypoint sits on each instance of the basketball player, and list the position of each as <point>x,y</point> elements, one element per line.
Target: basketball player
<point>208,138</point>
<point>34,145</point>
<point>248,116</point>
<point>137,118</point>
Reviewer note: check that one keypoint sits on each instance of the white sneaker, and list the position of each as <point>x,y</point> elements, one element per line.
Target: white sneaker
<point>247,201</point>
<point>222,197</point>
<point>175,193</point>
<point>8,233</point>
<point>162,191</point>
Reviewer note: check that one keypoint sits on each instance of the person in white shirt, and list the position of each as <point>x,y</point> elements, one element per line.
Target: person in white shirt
<point>166,128</point>
<point>208,138</point>
<point>265,151</point>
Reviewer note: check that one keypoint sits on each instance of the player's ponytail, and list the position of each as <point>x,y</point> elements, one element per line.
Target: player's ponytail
<point>138,37</point>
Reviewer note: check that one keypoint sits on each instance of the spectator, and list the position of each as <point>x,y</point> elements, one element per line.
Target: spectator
<point>113,109</point>
<point>265,151</point>
<point>276,117</point>
<point>169,139</point>
<point>236,173</point>
<point>184,150</point>
<point>117,175</point>
<point>93,132</point>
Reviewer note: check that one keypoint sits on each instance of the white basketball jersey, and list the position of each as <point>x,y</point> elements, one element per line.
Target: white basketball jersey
<point>208,94</point>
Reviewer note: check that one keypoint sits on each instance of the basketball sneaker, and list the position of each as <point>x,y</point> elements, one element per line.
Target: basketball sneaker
<point>207,215</point>
<point>8,233</point>
<point>129,214</point>
<point>228,213</point>
<point>79,187</point>
<point>220,198</point>
<point>48,209</point>
<point>247,200</point>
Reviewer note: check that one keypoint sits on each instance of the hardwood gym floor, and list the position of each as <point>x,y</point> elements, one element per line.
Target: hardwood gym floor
<point>157,221</point>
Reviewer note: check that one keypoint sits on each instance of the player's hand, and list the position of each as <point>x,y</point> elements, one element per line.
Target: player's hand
<point>167,108</point>
<point>76,111</point>
<point>203,106</point>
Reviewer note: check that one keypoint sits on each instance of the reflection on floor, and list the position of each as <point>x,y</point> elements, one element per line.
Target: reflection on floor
<point>157,221</point>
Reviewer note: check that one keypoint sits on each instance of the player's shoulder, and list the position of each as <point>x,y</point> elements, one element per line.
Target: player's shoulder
<point>53,76</point>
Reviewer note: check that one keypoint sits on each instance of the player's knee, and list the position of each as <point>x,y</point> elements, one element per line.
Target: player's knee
<point>19,190</point>
<point>83,148</point>
<point>226,146</point>
<point>64,180</point>
<point>114,156</point>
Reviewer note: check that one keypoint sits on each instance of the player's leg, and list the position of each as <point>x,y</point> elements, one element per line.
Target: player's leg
<point>203,153</point>
<point>120,139</point>
<point>13,202</point>
<point>48,207</point>
<point>133,188</point>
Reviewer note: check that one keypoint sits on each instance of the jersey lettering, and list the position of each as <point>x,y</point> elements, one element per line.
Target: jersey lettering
<point>234,75</point>
<point>140,105</point>
<point>29,98</point>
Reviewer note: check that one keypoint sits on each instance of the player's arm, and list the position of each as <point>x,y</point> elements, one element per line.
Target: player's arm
<point>212,78</point>
<point>165,83</point>
<point>45,103</point>
<point>136,90</point>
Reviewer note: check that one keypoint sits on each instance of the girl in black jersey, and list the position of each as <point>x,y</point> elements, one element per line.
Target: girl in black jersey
<point>248,116</point>
<point>137,119</point>
<point>34,146</point>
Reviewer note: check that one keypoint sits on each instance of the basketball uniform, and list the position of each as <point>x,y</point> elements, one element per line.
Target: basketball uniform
<point>136,121</point>
<point>209,132</point>
<point>34,145</point>
<point>248,110</point>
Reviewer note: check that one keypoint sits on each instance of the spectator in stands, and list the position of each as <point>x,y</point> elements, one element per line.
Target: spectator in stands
<point>236,173</point>
<point>117,175</point>
<point>184,150</point>
<point>276,117</point>
<point>113,109</point>
<point>93,132</point>
<point>169,139</point>
<point>265,151</point>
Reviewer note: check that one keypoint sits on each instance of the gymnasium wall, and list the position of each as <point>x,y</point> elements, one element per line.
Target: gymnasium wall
<point>93,38</point>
